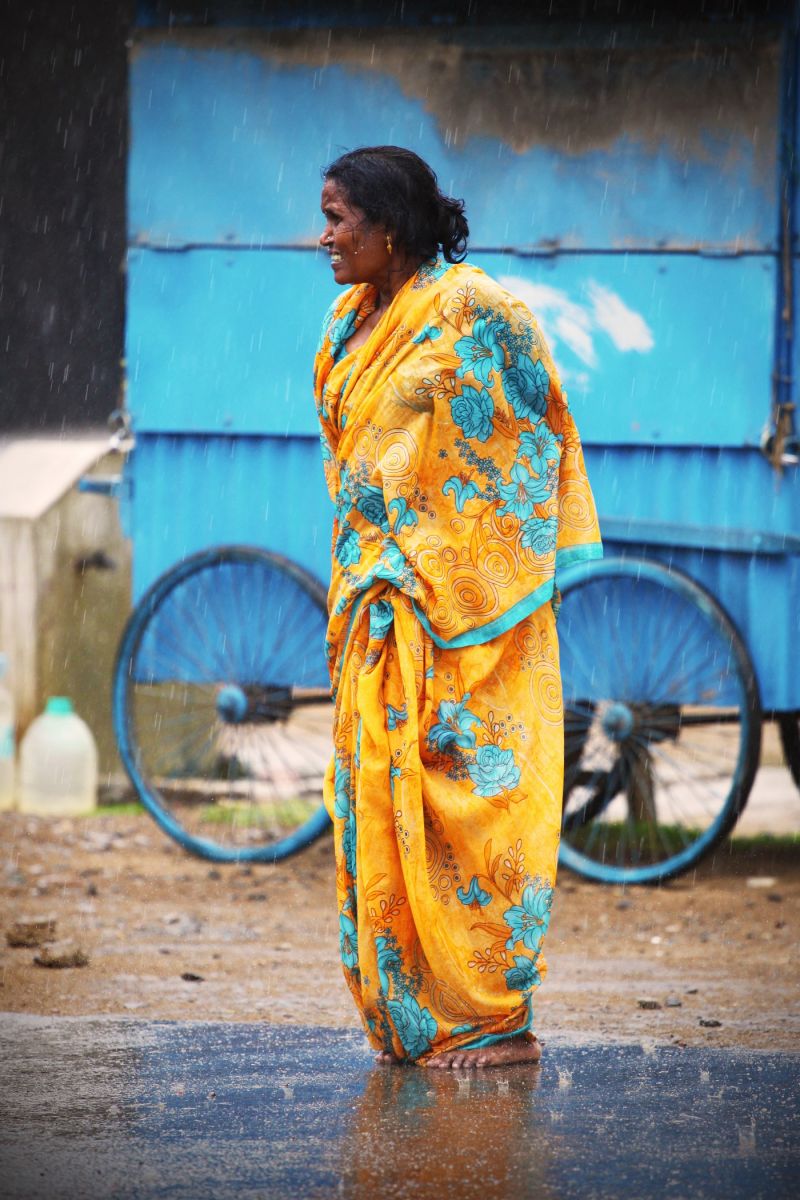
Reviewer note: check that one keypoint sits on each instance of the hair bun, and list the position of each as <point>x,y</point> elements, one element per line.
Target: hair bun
<point>452,229</point>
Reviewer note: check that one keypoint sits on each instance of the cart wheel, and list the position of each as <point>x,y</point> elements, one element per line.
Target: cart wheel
<point>222,705</point>
<point>662,721</point>
<point>789,726</point>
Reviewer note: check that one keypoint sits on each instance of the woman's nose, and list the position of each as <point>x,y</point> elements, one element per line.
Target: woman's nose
<point>325,238</point>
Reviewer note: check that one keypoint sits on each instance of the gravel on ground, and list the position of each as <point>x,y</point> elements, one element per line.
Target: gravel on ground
<point>708,959</point>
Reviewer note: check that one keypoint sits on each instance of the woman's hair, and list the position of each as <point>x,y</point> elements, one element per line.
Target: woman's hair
<point>397,189</point>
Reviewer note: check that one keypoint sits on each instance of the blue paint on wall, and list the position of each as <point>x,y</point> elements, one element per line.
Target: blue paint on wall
<point>667,356</point>
<point>224,342</point>
<point>190,493</point>
<point>227,146</point>
<point>651,348</point>
<point>748,587</point>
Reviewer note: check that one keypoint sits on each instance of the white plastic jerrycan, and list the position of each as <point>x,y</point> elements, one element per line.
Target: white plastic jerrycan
<point>58,763</point>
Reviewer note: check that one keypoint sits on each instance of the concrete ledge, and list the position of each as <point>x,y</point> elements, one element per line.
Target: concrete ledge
<point>36,472</point>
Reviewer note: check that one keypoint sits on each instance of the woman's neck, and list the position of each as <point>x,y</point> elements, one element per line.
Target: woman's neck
<point>395,279</point>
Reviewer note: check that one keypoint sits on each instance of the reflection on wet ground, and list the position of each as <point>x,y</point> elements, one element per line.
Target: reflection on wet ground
<point>99,1108</point>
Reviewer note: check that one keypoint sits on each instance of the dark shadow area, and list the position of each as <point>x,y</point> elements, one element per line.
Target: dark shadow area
<point>63,156</point>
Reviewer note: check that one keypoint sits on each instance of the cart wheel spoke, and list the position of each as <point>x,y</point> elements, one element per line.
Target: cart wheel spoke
<point>662,725</point>
<point>220,704</point>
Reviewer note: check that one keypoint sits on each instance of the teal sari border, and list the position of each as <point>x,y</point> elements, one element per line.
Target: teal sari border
<point>491,1039</point>
<point>519,611</point>
<point>355,611</point>
<point>576,554</point>
<point>484,633</point>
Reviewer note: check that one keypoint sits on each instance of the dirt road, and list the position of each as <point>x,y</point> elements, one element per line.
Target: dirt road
<point>721,946</point>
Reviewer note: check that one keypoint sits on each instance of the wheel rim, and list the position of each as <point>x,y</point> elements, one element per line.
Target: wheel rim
<point>661,717</point>
<point>224,717</point>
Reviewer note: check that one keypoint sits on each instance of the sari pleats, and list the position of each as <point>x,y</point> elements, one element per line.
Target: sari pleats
<point>444,895</point>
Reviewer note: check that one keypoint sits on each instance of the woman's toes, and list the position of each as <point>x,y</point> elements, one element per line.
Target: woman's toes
<point>445,1062</point>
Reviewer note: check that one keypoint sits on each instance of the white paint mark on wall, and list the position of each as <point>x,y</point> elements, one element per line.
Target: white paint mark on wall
<point>564,320</point>
<point>627,329</point>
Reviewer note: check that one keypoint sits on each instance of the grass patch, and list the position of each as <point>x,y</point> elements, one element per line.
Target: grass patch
<point>123,808</point>
<point>282,814</point>
<point>765,841</point>
<point>676,837</point>
<point>652,844</point>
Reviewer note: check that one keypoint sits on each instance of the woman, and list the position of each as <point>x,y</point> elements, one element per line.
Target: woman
<point>458,480</point>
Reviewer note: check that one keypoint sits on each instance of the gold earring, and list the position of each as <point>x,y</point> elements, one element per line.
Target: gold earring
<point>388,244</point>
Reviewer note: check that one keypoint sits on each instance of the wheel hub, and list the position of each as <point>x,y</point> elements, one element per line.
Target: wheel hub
<point>231,704</point>
<point>617,721</point>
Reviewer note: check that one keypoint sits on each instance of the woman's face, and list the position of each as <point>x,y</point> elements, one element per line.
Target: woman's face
<point>358,250</point>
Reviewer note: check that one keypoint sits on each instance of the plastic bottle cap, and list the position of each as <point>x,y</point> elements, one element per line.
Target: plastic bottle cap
<point>60,706</point>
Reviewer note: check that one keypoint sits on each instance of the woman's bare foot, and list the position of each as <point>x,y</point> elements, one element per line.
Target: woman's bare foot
<point>386,1059</point>
<point>520,1049</point>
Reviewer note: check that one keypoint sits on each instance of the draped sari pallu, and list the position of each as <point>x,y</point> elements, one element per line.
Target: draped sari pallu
<point>459,488</point>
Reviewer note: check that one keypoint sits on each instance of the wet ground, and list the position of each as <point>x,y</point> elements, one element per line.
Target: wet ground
<point>209,1049</point>
<point>714,954</point>
<point>98,1108</point>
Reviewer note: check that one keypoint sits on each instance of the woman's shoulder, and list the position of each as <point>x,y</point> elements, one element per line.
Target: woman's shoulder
<point>340,303</point>
<point>483,288</point>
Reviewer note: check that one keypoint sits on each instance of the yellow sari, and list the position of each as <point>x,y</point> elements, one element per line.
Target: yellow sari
<point>458,479</point>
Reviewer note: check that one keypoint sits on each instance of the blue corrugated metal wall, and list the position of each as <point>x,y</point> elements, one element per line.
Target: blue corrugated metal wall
<point>645,235</point>
<point>197,491</point>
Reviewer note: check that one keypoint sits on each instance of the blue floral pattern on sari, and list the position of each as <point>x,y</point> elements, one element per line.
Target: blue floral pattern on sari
<point>539,534</point>
<point>462,490</point>
<point>526,385</point>
<point>523,976</point>
<point>347,548</point>
<point>340,331</point>
<point>474,896</point>
<point>341,788</point>
<point>493,771</point>
<point>480,353</point>
<point>415,1026</point>
<point>395,716</point>
<point>455,725</point>
<point>472,412</point>
<point>348,941</point>
<point>521,493</point>
<point>370,504</point>
<point>528,921</point>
